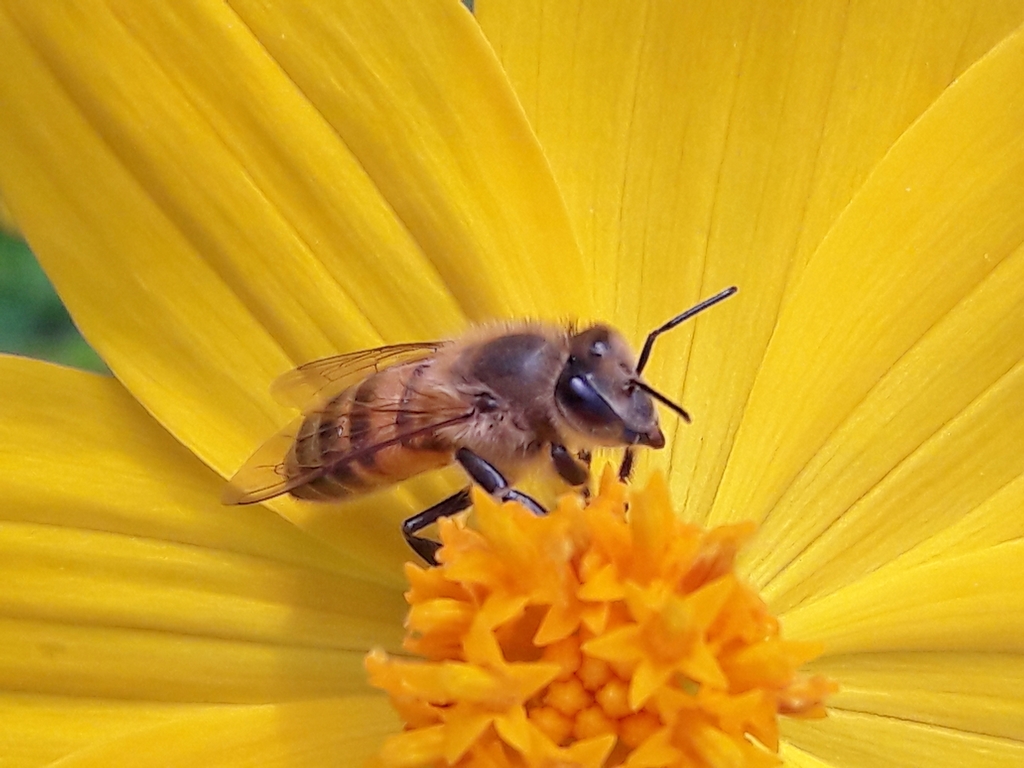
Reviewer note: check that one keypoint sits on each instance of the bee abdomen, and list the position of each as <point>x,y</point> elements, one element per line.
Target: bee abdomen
<point>351,447</point>
<point>322,437</point>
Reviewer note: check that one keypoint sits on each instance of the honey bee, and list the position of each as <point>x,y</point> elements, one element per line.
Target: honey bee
<point>497,401</point>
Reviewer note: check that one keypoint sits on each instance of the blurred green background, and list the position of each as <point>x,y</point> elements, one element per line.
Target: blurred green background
<point>33,320</point>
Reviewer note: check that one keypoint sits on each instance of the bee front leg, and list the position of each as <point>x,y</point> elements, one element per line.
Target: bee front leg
<point>575,471</point>
<point>487,476</point>
<point>426,548</point>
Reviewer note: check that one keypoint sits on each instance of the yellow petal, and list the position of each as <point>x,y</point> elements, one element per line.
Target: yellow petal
<point>233,211</point>
<point>793,757</point>
<point>409,749</point>
<point>973,602</point>
<point>983,697</point>
<point>939,215</point>
<point>164,621</point>
<point>996,520</point>
<point>41,729</point>
<point>131,583</point>
<point>724,159</point>
<point>970,457</point>
<point>461,167</point>
<point>933,439</point>
<point>77,451</point>
<point>850,738</point>
<point>311,733</point>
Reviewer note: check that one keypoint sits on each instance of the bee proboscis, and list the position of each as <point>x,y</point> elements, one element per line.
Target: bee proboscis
<point>496,400</point>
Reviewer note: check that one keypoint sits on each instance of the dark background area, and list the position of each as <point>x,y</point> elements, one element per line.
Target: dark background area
<point>33,321</point>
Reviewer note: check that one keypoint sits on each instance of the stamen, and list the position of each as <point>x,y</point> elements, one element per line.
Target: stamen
<point>592,637</point>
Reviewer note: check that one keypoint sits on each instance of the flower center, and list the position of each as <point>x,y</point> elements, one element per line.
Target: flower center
<point>603,634</point>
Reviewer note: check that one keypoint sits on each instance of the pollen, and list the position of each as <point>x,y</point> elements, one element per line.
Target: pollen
<point>607,633</point>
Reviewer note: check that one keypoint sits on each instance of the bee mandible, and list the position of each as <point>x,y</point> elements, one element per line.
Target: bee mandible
<point>497,400</point>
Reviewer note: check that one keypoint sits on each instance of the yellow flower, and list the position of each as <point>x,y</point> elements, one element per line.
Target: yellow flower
<point>221,192</point>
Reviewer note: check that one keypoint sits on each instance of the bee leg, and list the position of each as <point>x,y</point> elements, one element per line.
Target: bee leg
<point>626,467</point>
<point>585,456</point>
<point>426,548</point>
<point>493,482</point>
<point>574,471</point>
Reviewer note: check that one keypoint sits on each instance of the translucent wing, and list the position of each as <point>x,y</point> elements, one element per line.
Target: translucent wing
<point>265,475</point>
<point>304,385</point>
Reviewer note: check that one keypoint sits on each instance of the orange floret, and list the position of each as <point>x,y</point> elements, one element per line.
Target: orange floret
<point>603,634</point>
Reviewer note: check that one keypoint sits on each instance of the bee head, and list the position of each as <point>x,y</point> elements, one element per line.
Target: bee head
<point>600,394</point>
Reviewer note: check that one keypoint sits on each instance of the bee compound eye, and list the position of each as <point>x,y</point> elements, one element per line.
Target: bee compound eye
<point>583,401</point>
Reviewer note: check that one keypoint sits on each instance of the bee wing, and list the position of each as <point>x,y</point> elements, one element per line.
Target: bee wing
<point>265,475</point>
<point>304,385</point>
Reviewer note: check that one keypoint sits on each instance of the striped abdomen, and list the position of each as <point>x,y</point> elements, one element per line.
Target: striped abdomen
<point>360,440</point>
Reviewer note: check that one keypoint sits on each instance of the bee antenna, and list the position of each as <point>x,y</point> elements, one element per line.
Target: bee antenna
<point>661,399</point>
<point>645,353</point>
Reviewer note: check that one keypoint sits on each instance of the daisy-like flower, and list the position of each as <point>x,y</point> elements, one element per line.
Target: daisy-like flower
<point>222,191</point>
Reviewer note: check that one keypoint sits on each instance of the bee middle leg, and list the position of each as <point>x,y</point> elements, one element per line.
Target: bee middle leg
<point>426,548</point>
<point>487,476</point>
<point>626,467</point>
<point>575,470</point>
